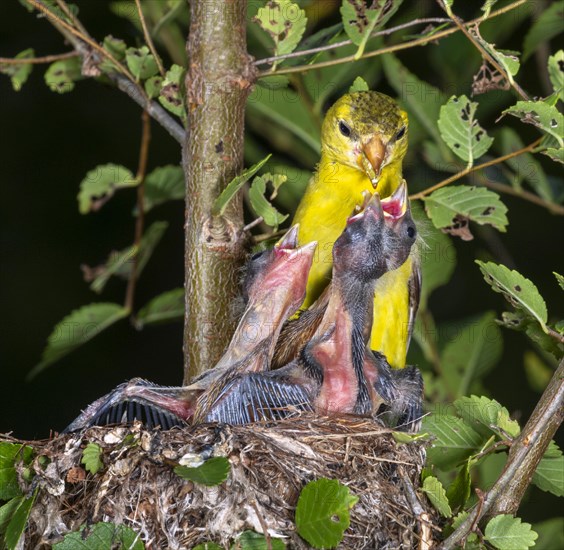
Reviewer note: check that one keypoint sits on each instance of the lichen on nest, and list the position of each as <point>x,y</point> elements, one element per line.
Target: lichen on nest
<point>270,464</point>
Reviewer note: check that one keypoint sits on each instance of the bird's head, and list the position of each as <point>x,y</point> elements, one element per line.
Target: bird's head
<point>376,240</point>
<point>281,269</point>
<point>365,130</point>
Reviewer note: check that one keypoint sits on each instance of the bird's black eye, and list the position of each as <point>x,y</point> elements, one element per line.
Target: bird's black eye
<point>401,133</point>
<point>257,255</point>
<point>411,232</point>
<point>344,129</point>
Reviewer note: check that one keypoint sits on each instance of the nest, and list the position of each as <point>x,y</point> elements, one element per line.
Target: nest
<point>270,464</point>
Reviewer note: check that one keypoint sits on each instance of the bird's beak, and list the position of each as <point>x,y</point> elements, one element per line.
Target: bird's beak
<point>374,152</point>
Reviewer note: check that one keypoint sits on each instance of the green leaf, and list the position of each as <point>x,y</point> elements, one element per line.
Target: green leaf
<point>459,490</point>
<point>208,546</point>
<point>153,86</point>
<point>506,532</point>
<point>92,458</point>
<point>164,308</point>
<point>486,416</point>
<point>359,85</point>
<point>212,472</point>
<point>19,73</point>
<point>76,329</point>
<point>18,521</point>
<point>549,475</point>
<point>451,208</point>
<point>537,371</point>
<point>261,205</point>
<point>285,22</point>
<point>548,25</point>
<point>10,453</point>
<point>101,183</point>
<point>434,489</point>
<point>163,184</point>
<point>461,131</point>
<point>235,185</point>
<point>7,511</point>
<point>521,293</point>
<point>455,440</point>
<point>487,7</point>
<point>250,540</point>
<point>473,349</point>
<point>172,91</point>
<point>556,73</point>
<point>322,513</point>
<point>560,279</point>
<point>360,21</point>
<point>116,48</point>
<point>141,63</point>
<point>61,75</point>
<point>551,534</point>
<point>127,10</point>
<point>557,155</point>
<point>545,117</point>
<point>101,535</point>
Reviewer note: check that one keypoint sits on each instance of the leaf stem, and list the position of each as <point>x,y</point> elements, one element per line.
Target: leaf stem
<point>148,38</point>
<point>38,60</point>
<point>140,221</point>
<point>390,49</point>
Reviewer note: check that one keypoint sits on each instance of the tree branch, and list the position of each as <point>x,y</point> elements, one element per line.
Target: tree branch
<point>37,60</point>
<point>148,38</point>
<point>217,88</point>
<point>525,454</point>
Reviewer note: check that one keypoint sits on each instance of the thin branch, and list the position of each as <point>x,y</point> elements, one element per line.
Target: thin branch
<point>37,60</point>
<point>140,221</point>
<point>556,335</point>
<point>336,45</point>
<point>390,49</point>
<point>148,38</point>
<point>525,454</point>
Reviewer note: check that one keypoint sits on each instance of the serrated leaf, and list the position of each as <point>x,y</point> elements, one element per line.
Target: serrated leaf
<point>322,512</point>
<point>141,63</point>
<point>546,118</point>
<point>171,94</point>
<point>486,416</point>
<point>359,85</point>
<point>261,206</point>
<point>458,492</point>
<point>250,540</point>
<point>235,185</point>
<point>548,25</point>
<point>163,184</point>
<point>549,475</point>
<point>18,521</point>
<point>116,48</point>
<point>560,279</point>
<point>61,75</point>
<point>91,458</point>
<point>101,183</point>
<point>556,73</point>
<point>285,22</point>
<point>460,129</point>
<point>19,73</point>
<point>521,293</point>
<point>551,534</point>
<point>76,329</point>
<point>472,349</point>
<point>10,453</point>
<point>455,440</point>
<point>557,155</point>
<point>360,20</point>
<point>506,532</point>
<point>164,308</point>
<point>101,535</point>
<point>451,208</point>
<point>212,472</point>
<point>434,489</point>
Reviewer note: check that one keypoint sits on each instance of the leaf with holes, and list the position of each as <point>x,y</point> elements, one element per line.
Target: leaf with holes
<point>506,532</point>
<point>322,513</point>
<point>141,63</point>
<point>19,73</point>
<point>451,208</point>
<point>164,308</point>
<point>521,293</point>
<point>171,95</point>
<point>76,329</point>
<point>460,130</point>
<point>545,117</point>
<point>212,472</point>
<point>61,75</point>
<point>116,48</point>
<point>91,458</point>
<point>101,535</point>
<point>261,206</point>
<point>434,489</point>
<point>101,183</point>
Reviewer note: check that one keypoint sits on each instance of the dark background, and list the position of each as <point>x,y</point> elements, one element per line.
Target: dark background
<point>49,142</point>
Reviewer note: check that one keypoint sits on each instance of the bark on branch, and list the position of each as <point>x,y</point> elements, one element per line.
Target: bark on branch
<point>218,82</point>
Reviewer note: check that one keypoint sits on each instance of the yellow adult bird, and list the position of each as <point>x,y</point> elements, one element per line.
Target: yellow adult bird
<point>363,143</point>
